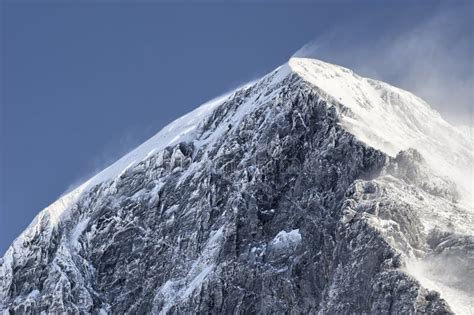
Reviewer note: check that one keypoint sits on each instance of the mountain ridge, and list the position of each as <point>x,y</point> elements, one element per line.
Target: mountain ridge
<point>198,140</point>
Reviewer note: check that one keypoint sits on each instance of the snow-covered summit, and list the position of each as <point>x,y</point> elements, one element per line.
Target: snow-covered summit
<point>392,120</point>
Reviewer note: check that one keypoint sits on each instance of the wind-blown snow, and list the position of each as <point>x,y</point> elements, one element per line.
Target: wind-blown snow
<point>460,301</point>
<point>391,120</point>
<point>179,130</point>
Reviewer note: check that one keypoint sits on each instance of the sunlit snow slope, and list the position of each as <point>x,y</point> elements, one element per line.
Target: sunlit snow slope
<point>391,120</point>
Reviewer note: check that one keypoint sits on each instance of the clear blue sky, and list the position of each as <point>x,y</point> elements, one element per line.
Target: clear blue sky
<point>83,83</point>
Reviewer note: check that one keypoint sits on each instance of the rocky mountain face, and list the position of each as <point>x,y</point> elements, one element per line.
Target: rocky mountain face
<point>264,201</point>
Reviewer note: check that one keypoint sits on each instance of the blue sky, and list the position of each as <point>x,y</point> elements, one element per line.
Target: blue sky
<point>83,83</point>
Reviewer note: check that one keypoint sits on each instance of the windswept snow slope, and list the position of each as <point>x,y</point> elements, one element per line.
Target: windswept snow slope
<point>182,129</point>
<point>392,120</point>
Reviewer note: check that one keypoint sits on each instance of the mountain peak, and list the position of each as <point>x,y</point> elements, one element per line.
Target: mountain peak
<point>391,119</point>
<point>312,189</point>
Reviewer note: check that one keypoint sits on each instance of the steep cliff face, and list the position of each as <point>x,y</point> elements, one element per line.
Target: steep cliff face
<point>267,200</point>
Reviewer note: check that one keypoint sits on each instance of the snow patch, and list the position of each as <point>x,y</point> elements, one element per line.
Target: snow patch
<point>197,281</point>
<point>286,239</point>
<point>176,290</point>
<point>77,232</point>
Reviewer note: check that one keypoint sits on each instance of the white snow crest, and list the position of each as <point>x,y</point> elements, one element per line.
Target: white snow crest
<point>391,120</point>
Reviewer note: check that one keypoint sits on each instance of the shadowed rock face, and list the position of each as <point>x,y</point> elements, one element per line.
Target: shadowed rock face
<point>278,214</point>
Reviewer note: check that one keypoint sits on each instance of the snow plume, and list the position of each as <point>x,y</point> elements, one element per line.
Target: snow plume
<point>444,275</point>
<point>433,59</point>
<point>131,137</point>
